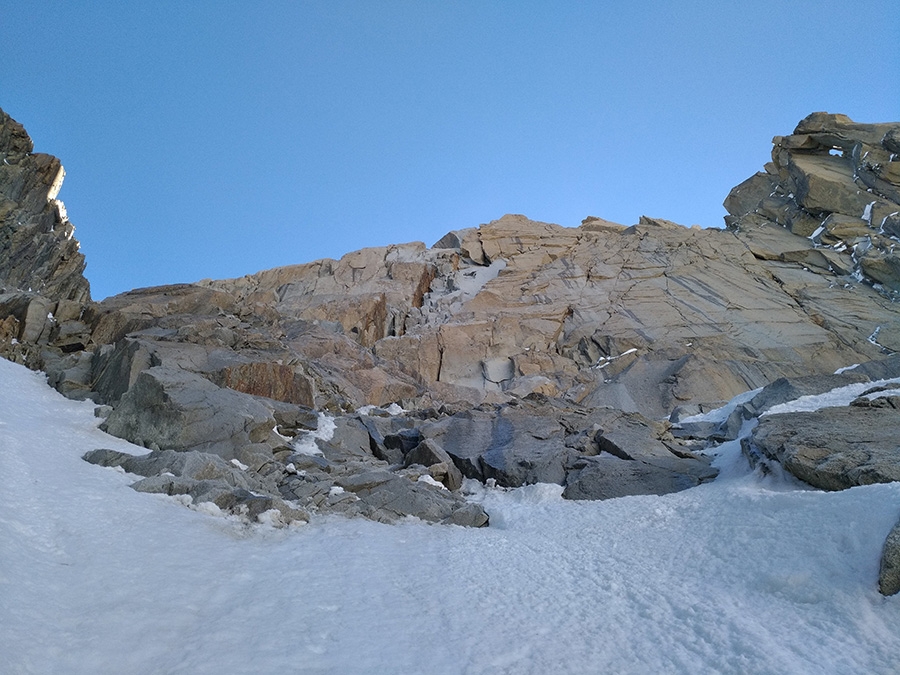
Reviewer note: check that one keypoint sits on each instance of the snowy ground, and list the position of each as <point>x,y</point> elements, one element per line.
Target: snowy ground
<point>744,575</point>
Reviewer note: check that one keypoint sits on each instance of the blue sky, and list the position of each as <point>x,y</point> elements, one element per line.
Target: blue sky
<point>215,139</point>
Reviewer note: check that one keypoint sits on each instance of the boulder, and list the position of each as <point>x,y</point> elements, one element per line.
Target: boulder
<point>889,574</point>
<point>608,477</point>
<point>511,446</point>
<point>292,419</point>
<point>70,375</point>
<point>390,436</point>
<point>632,437</point>
<point>441,467</point>
<point>261,508</point>
<point>194,465</point>
<point>115,367</point>
<point>173,409</point>
<point>836,182</point>
<point>833,448</point>
<point>464,437</point>
<point>349,441</point>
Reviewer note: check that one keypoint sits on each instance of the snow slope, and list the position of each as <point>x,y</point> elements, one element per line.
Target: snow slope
<point>744,575</point>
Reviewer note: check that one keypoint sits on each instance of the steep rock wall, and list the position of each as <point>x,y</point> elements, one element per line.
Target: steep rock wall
<point>38,252</point>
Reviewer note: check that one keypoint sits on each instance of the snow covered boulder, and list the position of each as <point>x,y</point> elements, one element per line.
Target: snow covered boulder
<point>205,478</point>
<point>254,507</point>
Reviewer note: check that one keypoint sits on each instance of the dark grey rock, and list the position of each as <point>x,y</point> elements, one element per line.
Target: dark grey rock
<point>303,462</point>
<point>584,441</point>
<point>608,477</point>
<point>392,455</point>
<point>540,441</point>
<point>175,409</point>
<point>515,445</point>
<point>698,430</point>
<point>400,497</point>
<point>526,448</point>
<point>308,490</point>
<point>204,477</point>
<point>731,427</point>
<point>292,419</point>
<point>70,375</point>
<point>351,440</point>
<point>194,465</point>
<point>464,437</point>
<point>429,454</point>
<point>886,401</point>
<point>390,437</point>
<point>387,496</point>
<point>514,464</point>
<point>468,515</point>
<point>367,480</point>
<point>404,439</point>
<point>114,368</point>
<point>106,457</point>
<point>882,369</point>
<point>229,499</point>
<point>635,438</point>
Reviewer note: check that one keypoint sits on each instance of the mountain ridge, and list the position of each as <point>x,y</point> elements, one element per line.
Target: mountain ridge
<point>515,352</point>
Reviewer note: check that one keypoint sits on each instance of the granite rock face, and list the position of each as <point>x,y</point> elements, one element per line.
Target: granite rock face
<point>643,318</point>
<point>512,353</point>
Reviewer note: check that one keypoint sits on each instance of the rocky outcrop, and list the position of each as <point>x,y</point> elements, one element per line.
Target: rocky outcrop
<point>43,290</point>
<point>837,183</point>
<point>37,251</point>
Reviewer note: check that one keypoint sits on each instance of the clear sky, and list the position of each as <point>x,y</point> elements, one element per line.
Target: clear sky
<point>215,139</point>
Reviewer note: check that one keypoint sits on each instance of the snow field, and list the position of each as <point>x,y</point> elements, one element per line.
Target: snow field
<point>748,574</point>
